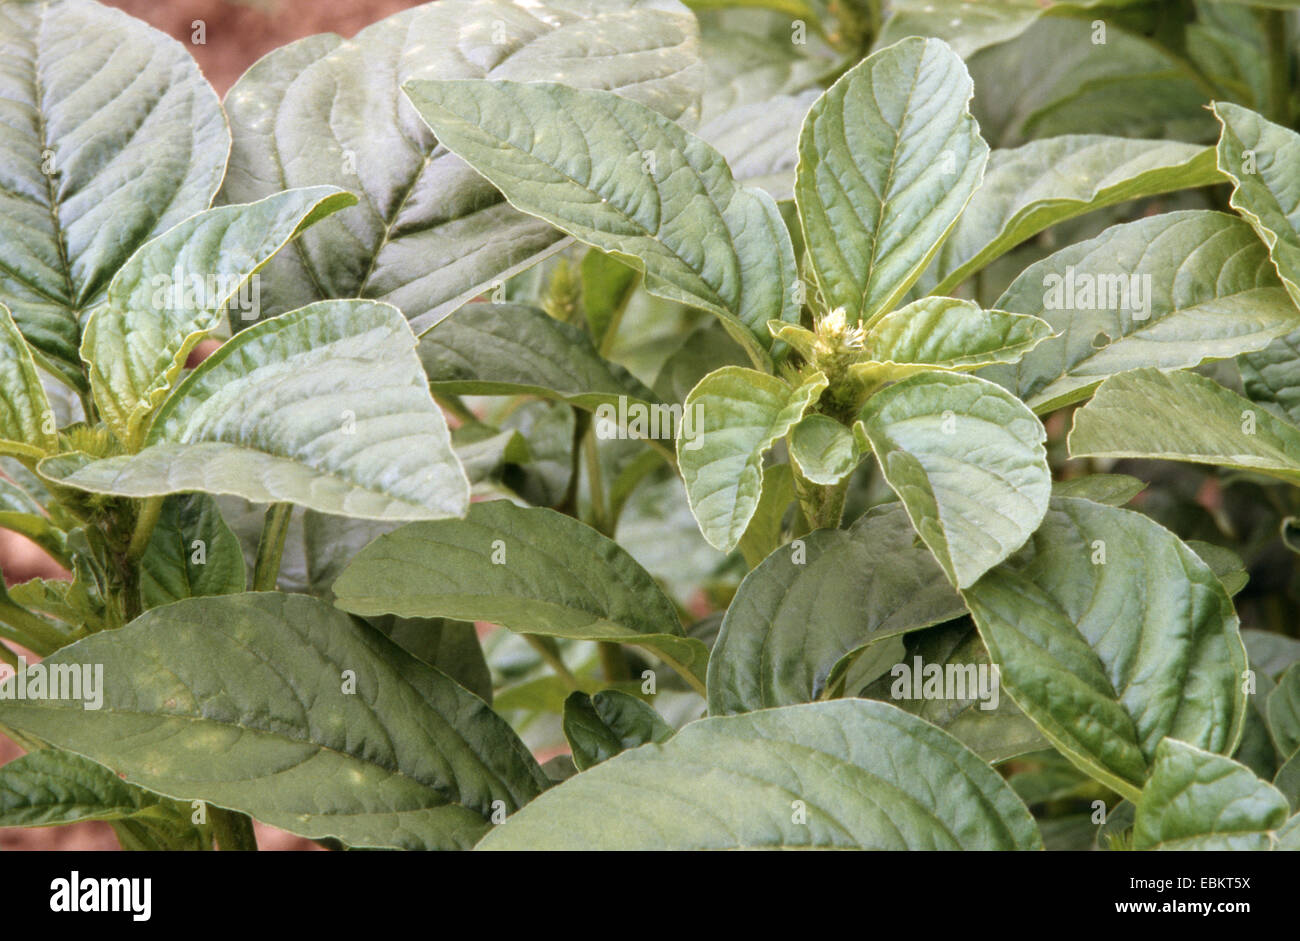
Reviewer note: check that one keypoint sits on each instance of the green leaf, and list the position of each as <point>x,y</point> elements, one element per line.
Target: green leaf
<point>1110,489</point>
<point>1101,80</point>
<point>1111,634</point>
<point>192,553</point>
<point>1028,189</point>
<point>812,606</point>
<point>630,182</point>
<point>1272,375</point>
<point>513,349</point>
<point>969,705</point>
<point>737,414</point>
<point>27,424</point>
<point>1287,780</point>
<point>529,569</point>
<point>326,406</point>
<point>1182,416</point>
<point>451,646</point>
<point>766,528</point>
<point>600,726</point>
<point>1169,290</point>
<point>607,286</point>
<point>970,27</point>
<point>946,333</point>
<point>849,775</point>
<point>1226,564</point>
<point>175,290</point>
<point>1283,711</point>
<point>429,233</point>
<point>112,136</point>
<point>1260,158</point>
<point>823,449</point>
<point>49,787</point>
<point>408,760</point>
<point>1197,800</point>
<point>759,141</point>
<point>967,460</point>
<point>888,159</point>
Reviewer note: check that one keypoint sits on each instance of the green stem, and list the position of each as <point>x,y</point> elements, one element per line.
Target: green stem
<point>1278,108</point>
<point>457,407</point>
<point>233,830</point>
<point>596,484</point>
<point>822,505</point>
<point>549,651</point>
<point>145,521</point>
<point>28,630</point>
<point>613,662</point>
<point>581,422</point>
<point>8,656</point>
<point>270,547</point>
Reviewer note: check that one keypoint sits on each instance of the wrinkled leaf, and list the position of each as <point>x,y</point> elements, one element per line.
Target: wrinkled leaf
<point>968,462</point>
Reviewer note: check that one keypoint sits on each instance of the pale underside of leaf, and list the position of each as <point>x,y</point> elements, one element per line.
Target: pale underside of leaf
<point>968,461</point>
<point>1170,290</point>
<point>326,406</point>
<point>743,412</point>
<point>1181,416</point>
<point>430,233</point>
<point>174,291</point>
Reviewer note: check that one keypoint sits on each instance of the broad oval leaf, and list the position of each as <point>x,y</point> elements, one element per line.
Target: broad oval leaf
<point>1197,800</point>
<point>888,158</point>
<point>1182,416</point>
<point>967,460</point>
<point>326,406</point>
<point>112,135</point>
<point>530,569</point>
<point>951,661</point>
<point>27,423</point>
<point>1110,489</point>
<point>514,349</point>
<point>1170,290</point>
<point>736,415</point>
<point>1283,711</point>
<point>174,291</point>
<point>430,233</point>
<point>408,760</point>
<point>1030,188</point>
<point>1111,634</point>
<point>823,450</point>
<point>606,723</point>
<point>630,182</point>
<point>191,553</point>
<point>1260,158</point>
<point>801,615</point>
<point>950,333</point>
<point>869,776</point>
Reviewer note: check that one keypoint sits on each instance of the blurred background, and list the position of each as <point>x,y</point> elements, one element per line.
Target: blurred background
<point>236,34</point>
